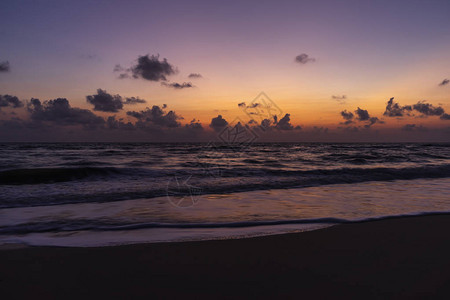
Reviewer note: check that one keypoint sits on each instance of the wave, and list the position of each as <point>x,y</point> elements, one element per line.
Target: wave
<point>93,225</point>
<point>50,175</point>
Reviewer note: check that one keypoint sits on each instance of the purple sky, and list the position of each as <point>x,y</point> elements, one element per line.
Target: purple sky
<point>367,51</point>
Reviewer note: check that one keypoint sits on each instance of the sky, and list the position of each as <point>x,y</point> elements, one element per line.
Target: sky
<point>329,67</point>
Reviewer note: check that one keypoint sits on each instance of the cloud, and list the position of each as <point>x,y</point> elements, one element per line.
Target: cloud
<point>59,112</point>
<point>373,120</point>
<point>105,102</point>
<point>4,66</point>
<point>428,109</point>
<point>444,82</point>
<point>347,115</point>
<point>10,101</point>
<point>113,123</point>
<point>242,104</point>
<point>340,99</point>
<point>445,116</point>
<point>178,86</point>
<point>218,123</point>
<point>304,58</point>
<point>395,110</point>
<point>148,68</point>
<point>134,100</point>
<point>195,75</point>
<point>413,127</point>
<point>285,123</point>
<point>362,114</point>
<point>156,116</point>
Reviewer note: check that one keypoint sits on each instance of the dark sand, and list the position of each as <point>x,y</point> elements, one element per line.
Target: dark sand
<point>395,258</point>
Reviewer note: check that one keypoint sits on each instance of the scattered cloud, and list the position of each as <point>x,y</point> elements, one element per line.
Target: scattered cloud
<point>4,66</point>
<point>195,76</point>
<point>304,58</point>
<point>178,86</point>
<point>444,82</point>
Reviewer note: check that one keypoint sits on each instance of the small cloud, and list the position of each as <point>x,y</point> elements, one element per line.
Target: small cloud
<point>10,101</point>
<point>340,99</point>
<point>105,102</point>
<point>395,110</point>
<point>428,109</point>
<point>304,58</point>
<point>134,100</point>
<point>362,114</point>
<point>195,76</point>
<point>242,105</point>
<point>177,85</point>
<point>148,67</point>
<point>413,127</point>
<point>218,123</point>
<point>445,116</point>
<point>444,82</point>
<point>285,123</point>
<point>4,66</point>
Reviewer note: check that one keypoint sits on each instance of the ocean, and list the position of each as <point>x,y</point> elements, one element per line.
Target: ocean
<point>101,194</point>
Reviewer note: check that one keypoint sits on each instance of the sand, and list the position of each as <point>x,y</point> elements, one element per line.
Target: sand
<point>394,258</point>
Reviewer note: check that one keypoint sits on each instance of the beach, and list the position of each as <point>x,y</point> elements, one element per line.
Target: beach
<point>393,258</point>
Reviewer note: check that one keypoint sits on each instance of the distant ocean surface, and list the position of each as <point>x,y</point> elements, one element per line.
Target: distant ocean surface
<point>82,194</point>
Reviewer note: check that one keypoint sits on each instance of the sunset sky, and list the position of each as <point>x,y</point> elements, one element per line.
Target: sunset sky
<point>314,59</point>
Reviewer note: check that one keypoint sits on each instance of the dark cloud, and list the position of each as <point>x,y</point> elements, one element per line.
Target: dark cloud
<point>242,104</point>
<point>285,123</point>
<point>156,116</point>
<point>178,86</point>
<point>195,75</point>
<point>59,112</point>
<point>10,101</point>
<point>413,127</point>
<point>373,120</point>
<point>218,123</point>
<point>113,123</point>
<point>105,102</point>
<point>347,115</point>
<point>395,110</point>
<point>134,100</point>
<point>445,116</point>
<point>4,66</point>
<point>428,109</point>
<point>194,124</point>
<point>148,68</point>
<point>444,82</point>
<point>304,58</point>
<point>362,114</point>
<point>111,103</point>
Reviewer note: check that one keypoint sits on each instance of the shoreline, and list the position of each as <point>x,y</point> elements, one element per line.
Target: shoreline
<point>391,258</point>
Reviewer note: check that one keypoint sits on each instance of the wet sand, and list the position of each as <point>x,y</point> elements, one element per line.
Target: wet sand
<point>394,258</point>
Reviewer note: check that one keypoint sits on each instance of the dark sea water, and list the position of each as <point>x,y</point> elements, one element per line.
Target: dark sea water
<point>112,193</point>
